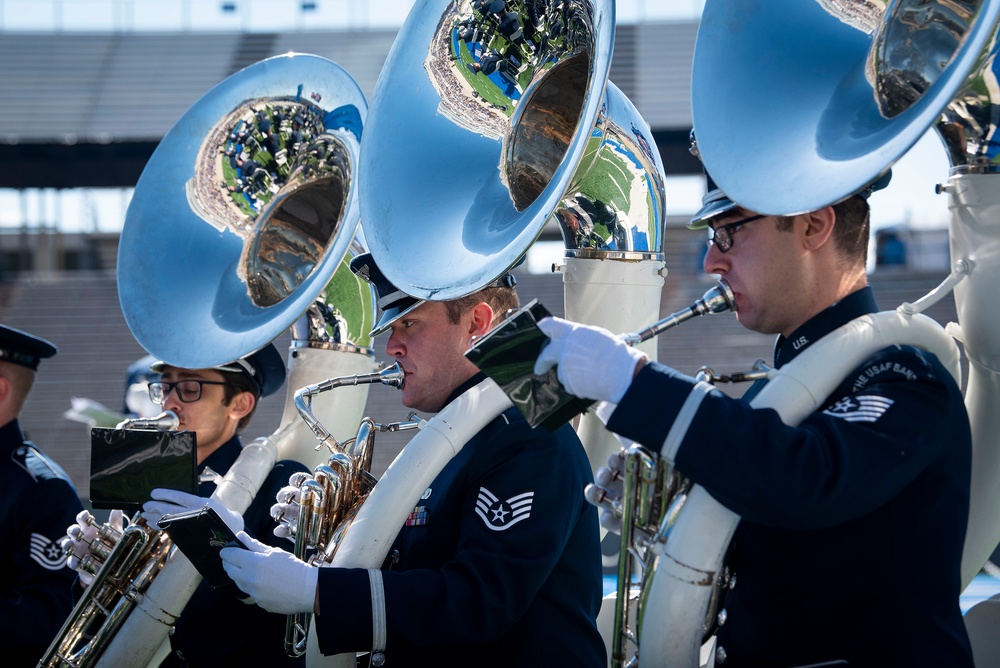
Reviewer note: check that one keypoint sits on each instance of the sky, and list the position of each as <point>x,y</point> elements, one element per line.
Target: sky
<point>909,200</point>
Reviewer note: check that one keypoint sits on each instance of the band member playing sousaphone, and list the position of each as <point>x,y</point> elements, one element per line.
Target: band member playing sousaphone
<point>217,404</point>
<point>499,563</point>
<point>869,494</point>
<point>38,502</point>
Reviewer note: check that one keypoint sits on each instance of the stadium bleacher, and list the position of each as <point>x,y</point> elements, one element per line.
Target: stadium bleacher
<point>86,109</point>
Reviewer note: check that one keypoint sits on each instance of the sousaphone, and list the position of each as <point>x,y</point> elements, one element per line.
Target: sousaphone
<point>797,105</point>
<point>480,133</point>
<point>478,139</point>
<point>241,226</point>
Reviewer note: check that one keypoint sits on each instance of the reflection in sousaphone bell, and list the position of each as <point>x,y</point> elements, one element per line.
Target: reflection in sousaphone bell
<point>844,88</point>
<point>252,190</point>
<point>483,161</point>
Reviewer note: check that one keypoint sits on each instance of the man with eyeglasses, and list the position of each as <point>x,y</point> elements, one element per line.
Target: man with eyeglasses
<point>217,628</point>
<point>853,521</point>
<point>498,564</point>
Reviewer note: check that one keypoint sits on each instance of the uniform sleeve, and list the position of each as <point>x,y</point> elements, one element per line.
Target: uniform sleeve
<point>40,596</point>
<point>870,441</point>
<point>518,513</point>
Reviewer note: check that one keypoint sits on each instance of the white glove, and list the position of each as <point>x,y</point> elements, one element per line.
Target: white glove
<point>286,511</point>
<point>79,538</point>
<point>277,580</point>
<point>606,491</point>
<point>172,501</point>
<point>591,362</point>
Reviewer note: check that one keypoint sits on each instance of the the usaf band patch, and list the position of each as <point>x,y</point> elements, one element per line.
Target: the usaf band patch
<point>860,408</point>
<point>47,553</point>
<point>501,515</point>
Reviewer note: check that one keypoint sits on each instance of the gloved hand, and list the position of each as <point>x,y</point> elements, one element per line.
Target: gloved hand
<point>277,580</point>
<point>591,362</point>
<point>606,491</point>
<point>171,501</point>
<point>286,511</point>
<point>79,538</point>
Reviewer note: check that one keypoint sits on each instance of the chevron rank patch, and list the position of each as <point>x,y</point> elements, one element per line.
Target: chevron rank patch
<point>500,515</point>
<point>860,408</point>
<point>47,553</point>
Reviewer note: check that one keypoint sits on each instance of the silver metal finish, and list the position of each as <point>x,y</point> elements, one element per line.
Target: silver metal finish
<point>842,90</point>
<point>342,316</point>
<point>165,421</point>
<point>218,256</point>
<point>760,372</point>
<point>716,300</point>
<point>463,169</point>
<point>392,375</point>
<point>968,125</point>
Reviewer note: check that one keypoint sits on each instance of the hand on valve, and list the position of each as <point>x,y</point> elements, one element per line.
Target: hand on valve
<point>286,511</point>
<point>87,544</point>
<point>606,491</point>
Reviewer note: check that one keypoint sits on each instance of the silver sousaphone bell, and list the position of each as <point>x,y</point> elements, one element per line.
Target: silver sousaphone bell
<point>479,136</point>
<point>798,105</point>
<point>240,225</point>
<point>243,212</point>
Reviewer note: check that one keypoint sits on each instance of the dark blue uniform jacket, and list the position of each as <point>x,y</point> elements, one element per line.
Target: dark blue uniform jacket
<point>216,628</point>
<point>498,565</point>
<point>853,521</point>
<point>37,504</point>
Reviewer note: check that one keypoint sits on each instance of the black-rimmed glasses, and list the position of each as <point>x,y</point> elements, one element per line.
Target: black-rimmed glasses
<point>188,391</point>
<point>722,236</point>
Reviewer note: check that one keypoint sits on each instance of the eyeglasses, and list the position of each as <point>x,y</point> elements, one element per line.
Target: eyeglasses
<point>722,236</point>
<point>188,391</point>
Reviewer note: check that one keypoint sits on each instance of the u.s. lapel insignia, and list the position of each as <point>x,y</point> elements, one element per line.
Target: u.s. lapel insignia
<point>500,515</point>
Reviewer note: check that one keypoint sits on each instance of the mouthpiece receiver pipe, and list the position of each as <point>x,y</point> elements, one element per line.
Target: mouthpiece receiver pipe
<point>392,376</point>
<point>718,299</point>
<point>165,421</point>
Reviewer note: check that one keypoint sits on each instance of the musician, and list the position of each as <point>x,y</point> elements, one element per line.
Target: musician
<point>38,502</point>
<point>853,522</point>
<point>217,628</point>
<point>466,581</point>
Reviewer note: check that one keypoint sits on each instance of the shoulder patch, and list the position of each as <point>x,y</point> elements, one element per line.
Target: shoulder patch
<point>38,466</point>
<point>894,363</point>
<point>500,515</point>
<point>859,408</point>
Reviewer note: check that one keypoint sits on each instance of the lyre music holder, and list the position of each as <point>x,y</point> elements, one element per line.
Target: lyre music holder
<point>127,464</point>
<point>507,354</point>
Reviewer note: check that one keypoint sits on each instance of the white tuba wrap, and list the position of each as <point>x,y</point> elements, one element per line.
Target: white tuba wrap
<point>680,586</point>
<point>373,530</point>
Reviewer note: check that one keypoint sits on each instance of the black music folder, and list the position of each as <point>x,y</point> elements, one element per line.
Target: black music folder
<point>200,534</point>
<point>507,354</point>
<point>127,464</point>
